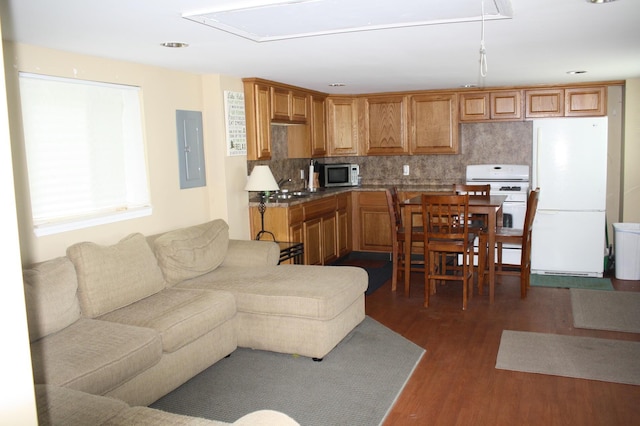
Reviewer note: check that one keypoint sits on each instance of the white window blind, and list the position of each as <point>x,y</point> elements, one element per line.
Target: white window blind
<point>85,152</point>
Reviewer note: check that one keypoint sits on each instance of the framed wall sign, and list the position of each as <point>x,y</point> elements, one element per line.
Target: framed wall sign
<point>235,122</point>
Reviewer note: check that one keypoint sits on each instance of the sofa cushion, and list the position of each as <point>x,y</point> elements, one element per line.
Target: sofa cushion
<point>110,277</point>
<point>304,291</point>
<point>63,406</point>
<point>94,356</point>
<point>180,316</point>
<point>50,295</point>
<point>193,251</point>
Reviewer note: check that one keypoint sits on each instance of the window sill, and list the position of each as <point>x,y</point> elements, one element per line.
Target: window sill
<point>87,222</point>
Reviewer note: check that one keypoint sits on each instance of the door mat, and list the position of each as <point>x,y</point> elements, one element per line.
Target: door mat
<point>356,383</point>
<point>570,356</point>
<point>606,310</point>
<point>564,281</point>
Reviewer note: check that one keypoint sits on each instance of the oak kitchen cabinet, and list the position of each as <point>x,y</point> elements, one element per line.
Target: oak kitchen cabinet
<point>372,226</point>
<point>385,125</point>
<point>499,105</point>
<point>289,106</point>
<point>434,123</point>
<point>342,126</point>
<point>322,225</point>
<point>566,102</point>
<point>268,103</point>
<point>318,126</point>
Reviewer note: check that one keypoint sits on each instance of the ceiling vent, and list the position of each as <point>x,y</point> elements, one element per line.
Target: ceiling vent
<point>279,20</point>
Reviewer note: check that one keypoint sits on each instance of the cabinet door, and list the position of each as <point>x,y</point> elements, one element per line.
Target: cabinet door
<point>385,126</point>
<point>329,242</point>
<point>312,231</point>
<point>318,127</point>
<point>299,107</point>
<point>434,124</point>
<point>506,105</point>
<point>474,106</point>
<point>280,104</point>
<point>374,229</point>
<point>585,101</point>
<point>342,126</point>
<point>258,120</point>
<point>544,103</point>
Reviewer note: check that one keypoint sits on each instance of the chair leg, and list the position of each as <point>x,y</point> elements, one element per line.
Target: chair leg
<point>394,274</point>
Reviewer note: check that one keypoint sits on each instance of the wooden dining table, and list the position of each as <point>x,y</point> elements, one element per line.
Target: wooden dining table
<point>491,207</point>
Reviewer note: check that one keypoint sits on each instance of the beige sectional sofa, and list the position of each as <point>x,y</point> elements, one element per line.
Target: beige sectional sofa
<point>135,320</point>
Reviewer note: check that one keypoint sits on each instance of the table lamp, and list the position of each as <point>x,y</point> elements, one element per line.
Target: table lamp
<point>261,180</point>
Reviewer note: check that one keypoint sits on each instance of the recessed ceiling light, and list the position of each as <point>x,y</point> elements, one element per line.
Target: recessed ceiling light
<point>576,72</point>
<point>337,84</point>
<point>175,44</point>
<point>600,1</point>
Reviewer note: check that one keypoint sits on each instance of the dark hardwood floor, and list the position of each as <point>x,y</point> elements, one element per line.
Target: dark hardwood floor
<point>456,382</point>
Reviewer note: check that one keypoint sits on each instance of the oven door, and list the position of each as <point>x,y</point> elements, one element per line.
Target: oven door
<point>513,214</point>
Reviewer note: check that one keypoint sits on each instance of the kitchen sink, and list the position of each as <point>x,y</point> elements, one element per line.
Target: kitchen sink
<point>289,195</point>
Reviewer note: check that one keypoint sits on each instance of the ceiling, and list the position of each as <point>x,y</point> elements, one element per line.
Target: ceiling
<point>438,46</point>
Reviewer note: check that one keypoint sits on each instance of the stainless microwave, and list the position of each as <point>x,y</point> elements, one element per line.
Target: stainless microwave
<point>339,174</point>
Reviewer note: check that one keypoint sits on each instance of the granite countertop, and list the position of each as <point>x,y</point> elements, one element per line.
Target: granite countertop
<point>327,192</point>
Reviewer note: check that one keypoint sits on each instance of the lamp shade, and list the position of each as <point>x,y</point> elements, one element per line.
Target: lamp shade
<point>261,179</point>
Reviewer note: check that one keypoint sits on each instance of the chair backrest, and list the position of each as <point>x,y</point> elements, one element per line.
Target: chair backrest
<point>532,206</point>
<point>444,217</point>
<point>472,190</point>
<point>393,206</point>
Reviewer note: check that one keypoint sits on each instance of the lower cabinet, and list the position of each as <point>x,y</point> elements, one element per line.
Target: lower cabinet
<point>323,226</point>
<point>373,223</point>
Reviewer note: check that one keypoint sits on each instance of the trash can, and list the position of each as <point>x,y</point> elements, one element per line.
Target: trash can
<point>626,244</point>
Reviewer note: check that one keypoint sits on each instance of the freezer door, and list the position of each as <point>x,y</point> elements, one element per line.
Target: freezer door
<point>570,163</point>
<point>569,243</point>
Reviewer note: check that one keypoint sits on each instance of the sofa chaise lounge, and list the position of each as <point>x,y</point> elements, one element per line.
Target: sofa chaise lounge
<point>137,319</point>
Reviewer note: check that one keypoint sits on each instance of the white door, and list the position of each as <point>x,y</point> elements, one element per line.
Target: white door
<point>569,243</point>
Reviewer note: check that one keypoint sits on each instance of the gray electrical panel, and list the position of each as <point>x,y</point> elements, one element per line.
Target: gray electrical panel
<point>190,149</point>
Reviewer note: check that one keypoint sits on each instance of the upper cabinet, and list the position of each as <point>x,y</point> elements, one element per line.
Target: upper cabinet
<point>257,105</point>
<point>318,126</point>
<point>403,123</point>
<point>434,124</point>
<point>342,126</point>
<point>585,101</point>
<point>289,106</point>
<point>566,102</point>
<point>499,105</point>
<point>385,125</point>
<point>269,103</point>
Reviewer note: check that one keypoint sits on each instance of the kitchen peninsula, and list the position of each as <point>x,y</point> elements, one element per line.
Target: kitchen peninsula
<point>333,222</point>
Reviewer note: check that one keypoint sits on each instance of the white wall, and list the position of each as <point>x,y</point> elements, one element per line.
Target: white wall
<point>163,91</point>
<point>631,173</point>
<point>17,401</point>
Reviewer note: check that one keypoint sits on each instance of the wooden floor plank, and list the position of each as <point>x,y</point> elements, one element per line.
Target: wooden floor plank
<point>456,383</point>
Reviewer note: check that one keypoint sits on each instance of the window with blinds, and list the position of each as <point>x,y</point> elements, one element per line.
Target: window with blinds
<point>85,152</point>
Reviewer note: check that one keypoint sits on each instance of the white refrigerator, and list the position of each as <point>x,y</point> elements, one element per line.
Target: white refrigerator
<point>570,167</point>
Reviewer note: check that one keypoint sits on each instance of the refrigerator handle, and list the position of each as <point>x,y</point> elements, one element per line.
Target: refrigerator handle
<point>536,175</point>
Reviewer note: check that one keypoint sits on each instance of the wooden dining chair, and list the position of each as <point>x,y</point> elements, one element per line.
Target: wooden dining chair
<point>446,231</point>
<point>402,262</point>
<point>521,237</point>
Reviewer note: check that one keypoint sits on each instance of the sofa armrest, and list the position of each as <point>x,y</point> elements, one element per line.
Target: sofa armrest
<point>252,253</point>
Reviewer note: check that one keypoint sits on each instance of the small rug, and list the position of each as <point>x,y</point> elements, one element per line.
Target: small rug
<point>356,383</point>
<point>606,310</point>
<point>570,356</point>
<point>564,281</point>
<point>378,267</point>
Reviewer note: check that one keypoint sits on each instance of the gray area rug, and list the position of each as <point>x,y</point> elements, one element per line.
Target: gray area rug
<point>570,356</point>
<point>606,310</point>
<point>357,382</point>
<point>565,281</point>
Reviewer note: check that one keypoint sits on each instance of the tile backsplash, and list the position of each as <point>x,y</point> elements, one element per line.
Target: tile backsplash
<point>480,143</point>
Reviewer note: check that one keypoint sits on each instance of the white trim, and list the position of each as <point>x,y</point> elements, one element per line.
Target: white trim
<point>87,222</point>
